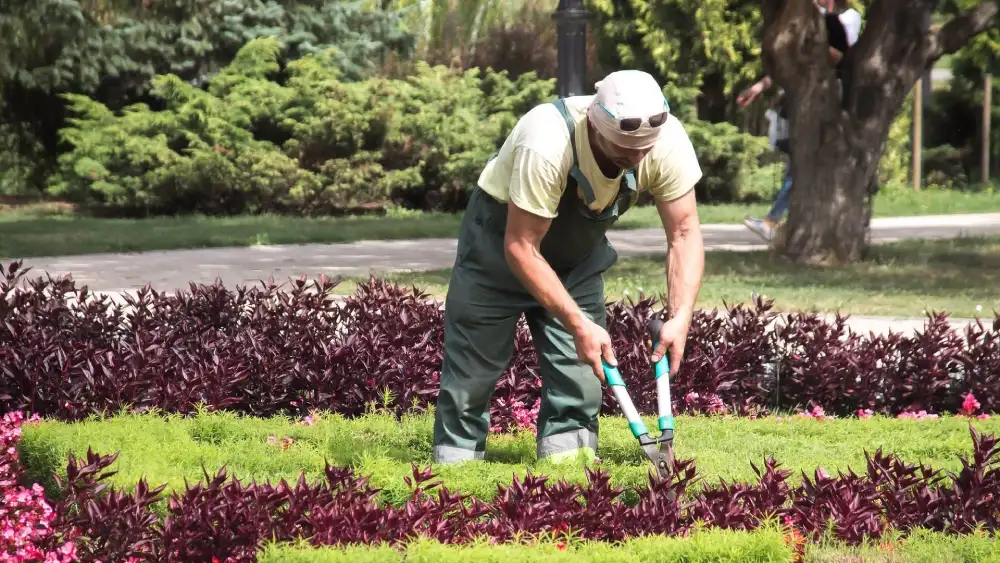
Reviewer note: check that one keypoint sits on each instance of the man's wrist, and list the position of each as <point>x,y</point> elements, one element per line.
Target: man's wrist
<point>575,320</point>
<point>685,313</point>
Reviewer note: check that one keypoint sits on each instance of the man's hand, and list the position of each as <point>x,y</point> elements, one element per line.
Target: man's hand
<point>521,247</point>
<point>672,339</point>
<point>593,344</point>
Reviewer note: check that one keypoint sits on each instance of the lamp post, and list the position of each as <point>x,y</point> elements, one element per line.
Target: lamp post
<point>571,19</point>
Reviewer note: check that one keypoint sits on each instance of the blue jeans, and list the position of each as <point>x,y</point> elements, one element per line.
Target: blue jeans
<point>780,205</point>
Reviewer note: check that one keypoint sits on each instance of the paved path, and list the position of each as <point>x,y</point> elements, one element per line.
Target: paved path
<point>172,270</point>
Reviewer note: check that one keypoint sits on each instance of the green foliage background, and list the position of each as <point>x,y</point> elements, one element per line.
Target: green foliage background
<point>302,139</point>
<point>315,107</point>
<point>111,50</point>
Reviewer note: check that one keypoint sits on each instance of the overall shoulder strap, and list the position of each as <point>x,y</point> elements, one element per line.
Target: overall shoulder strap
<point>629,178</point>
<point>575,172</point>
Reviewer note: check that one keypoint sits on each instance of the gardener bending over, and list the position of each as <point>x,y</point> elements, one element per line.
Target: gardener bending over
<point>533,241</point>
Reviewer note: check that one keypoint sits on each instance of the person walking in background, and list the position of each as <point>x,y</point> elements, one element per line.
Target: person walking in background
<point>843,27</point>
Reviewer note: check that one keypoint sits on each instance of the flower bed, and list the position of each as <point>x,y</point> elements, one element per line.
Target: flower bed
<point>233,519</point>
<point>26,517</point>
<point>267,350</point>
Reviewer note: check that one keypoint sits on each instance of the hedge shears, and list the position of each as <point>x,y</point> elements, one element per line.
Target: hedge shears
<point>659,450</point>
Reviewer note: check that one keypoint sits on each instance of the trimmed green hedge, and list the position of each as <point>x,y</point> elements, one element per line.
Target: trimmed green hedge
<point>710,545</point>
<point>173,449</point>
<point>703,546</point>
<point>919,546</point>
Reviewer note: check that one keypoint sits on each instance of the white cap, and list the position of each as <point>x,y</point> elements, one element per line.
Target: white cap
<point>628,93</point>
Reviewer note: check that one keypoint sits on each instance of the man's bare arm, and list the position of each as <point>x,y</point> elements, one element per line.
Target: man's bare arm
<point>685,255</point>
<point>522,250</point>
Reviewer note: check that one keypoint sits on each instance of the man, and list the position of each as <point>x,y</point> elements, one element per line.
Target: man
<point>843,26</point>
<point>533,241</point>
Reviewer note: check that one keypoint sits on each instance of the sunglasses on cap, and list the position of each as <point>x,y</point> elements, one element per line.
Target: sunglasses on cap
<point>633,123</point>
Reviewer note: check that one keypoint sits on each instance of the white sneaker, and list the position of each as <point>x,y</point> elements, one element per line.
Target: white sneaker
<point>762,228</point>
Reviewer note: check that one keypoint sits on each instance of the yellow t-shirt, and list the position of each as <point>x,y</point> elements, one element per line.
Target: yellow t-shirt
<point>532,166</point>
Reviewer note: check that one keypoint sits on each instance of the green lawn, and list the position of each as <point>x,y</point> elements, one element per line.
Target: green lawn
<point>39,231</point>
<point>899,279</point>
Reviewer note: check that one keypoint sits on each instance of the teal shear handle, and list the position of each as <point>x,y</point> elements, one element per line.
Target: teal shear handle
<point>617,385</point>
<point>659,450</point>
<point>662,373</point>
<point>665,422</point>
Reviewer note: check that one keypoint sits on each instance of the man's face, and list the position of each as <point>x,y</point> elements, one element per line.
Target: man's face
<point>624,158</point>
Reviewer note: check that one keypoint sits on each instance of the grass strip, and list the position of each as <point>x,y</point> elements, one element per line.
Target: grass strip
<point>50,230</point>
<point>172,449</point>
<point>919,546</point>
<point>902,279</point>
<point>710,545</point>
<point>715,545</point>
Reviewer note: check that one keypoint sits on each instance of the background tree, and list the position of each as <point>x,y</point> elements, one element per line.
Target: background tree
<point>953,115</point>
<point>838,145</point>
<point>709,46</point>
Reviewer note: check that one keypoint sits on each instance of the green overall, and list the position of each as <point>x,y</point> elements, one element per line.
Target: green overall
<point>484,303</point>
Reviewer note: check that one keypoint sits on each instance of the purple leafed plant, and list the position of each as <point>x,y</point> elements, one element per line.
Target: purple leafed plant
<point>271,349</point>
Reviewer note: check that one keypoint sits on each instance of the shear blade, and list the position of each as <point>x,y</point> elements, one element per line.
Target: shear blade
<point>661,459</point>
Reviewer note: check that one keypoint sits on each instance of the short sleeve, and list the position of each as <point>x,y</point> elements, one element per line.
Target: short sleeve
<point>676,171</point>
<point>536,185</point>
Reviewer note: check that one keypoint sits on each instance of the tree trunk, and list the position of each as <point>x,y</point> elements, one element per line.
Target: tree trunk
<point>828,225</point>
<point>837,139</point>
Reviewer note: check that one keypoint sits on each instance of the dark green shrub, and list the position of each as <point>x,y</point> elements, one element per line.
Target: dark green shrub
<point>294,140</point>
<point>112,50</point>
<point>727,157</point>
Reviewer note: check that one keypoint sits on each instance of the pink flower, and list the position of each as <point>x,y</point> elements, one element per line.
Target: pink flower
<point>921,415</point>
<point>26,518</point>
<point>816,412</point>
<point>865,414</point>
<point>715,404</point>
<point>983,416</point>
<point>970,405</point>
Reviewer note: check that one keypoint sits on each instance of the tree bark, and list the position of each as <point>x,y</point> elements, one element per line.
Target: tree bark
<point>836,143</point>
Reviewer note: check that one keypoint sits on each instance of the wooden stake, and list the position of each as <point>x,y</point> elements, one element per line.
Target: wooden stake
<point>984,163</point>
<point>918,111</point>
